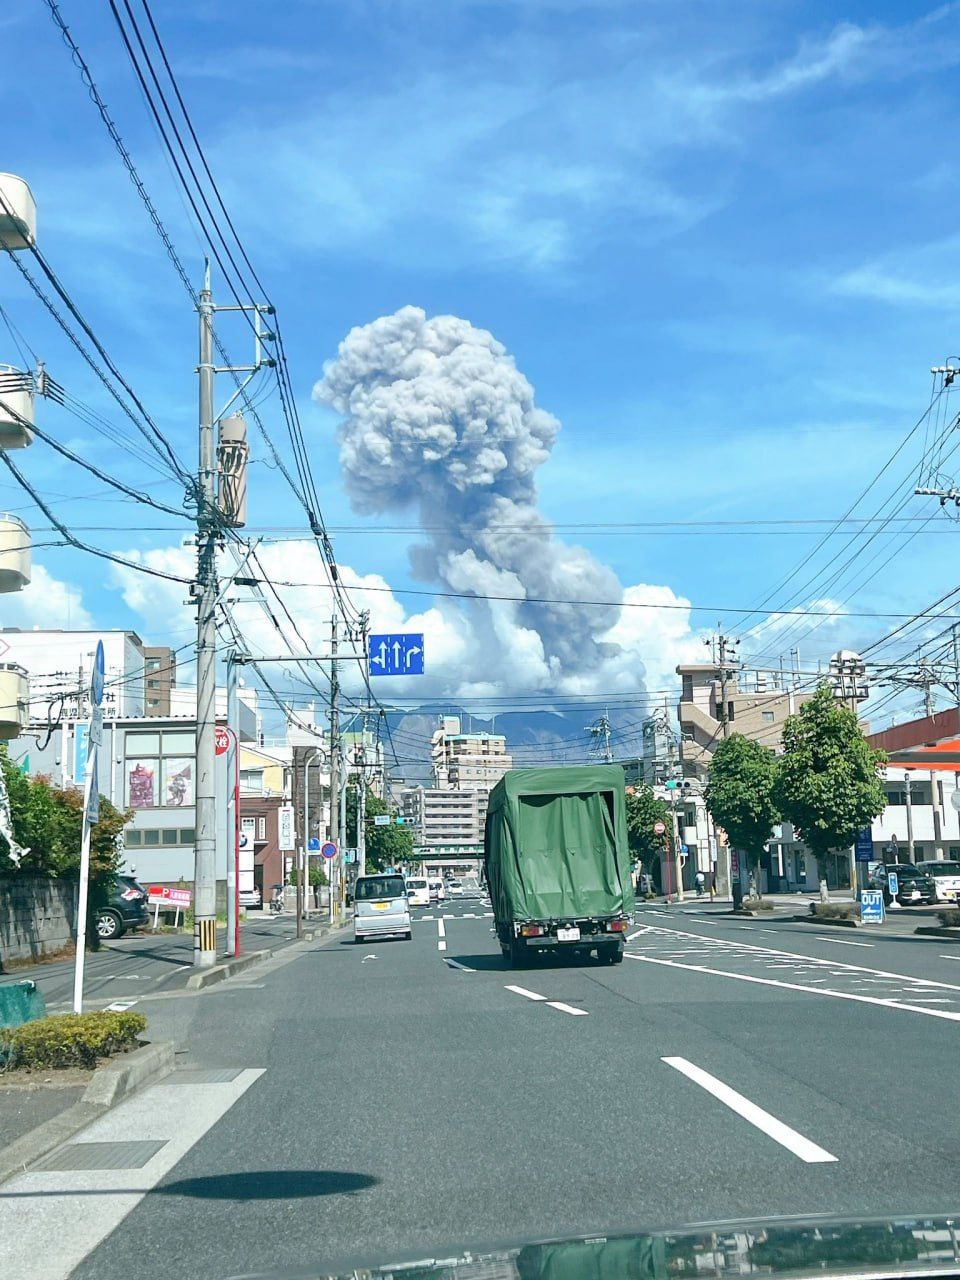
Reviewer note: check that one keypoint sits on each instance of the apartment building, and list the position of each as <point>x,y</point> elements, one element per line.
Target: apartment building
<point>467,760</point>
<point>440,816</point>
<point>160,676</point>
<point>754,707</point>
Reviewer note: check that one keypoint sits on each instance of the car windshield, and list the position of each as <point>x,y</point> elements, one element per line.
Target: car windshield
<point>379,887</point>
<point>940,868</point>
<point>416,884</point>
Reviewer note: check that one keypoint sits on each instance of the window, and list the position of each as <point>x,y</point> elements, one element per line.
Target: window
<point>169,836</point>
<point>159,768</point>
<point>132,838</point>
<point>151,837</point>
<point>261,828</point>
<point>251,781</point>
<point>767,717</point>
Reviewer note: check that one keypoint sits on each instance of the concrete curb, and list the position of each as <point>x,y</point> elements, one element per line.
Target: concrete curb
<point>225,969</point>
<point>938,931</point>
<point>828,922</point>
<point>111,1084</point>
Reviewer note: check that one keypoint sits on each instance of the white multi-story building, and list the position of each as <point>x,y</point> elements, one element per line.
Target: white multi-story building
<point>464,761</point>
<point>60,664</point>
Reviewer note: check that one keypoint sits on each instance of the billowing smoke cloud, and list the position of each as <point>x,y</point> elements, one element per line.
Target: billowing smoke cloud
<point>437,418</point>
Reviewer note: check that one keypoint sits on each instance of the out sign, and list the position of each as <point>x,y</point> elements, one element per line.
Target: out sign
<point>221,740</point>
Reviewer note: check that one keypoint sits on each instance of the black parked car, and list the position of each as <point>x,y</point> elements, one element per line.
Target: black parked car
<point>126,908</point>
<point>914,883</point>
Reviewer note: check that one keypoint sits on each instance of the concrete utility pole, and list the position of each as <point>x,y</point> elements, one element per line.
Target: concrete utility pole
<point>233,818</point>
<point>205,593</point>
<point>909,797</point>
<point>600,730</point>
<point>335,759</point>
<point>727,656</point>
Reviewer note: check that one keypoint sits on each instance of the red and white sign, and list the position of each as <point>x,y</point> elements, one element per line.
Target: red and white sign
<point>658,828</point>
<point>221,740</point>
<point>159,894</point>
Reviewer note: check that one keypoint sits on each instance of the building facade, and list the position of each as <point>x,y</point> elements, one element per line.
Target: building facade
<point>758,712</point>
<point>465,761</point>
<point>60,665</point>
<point>445,817</point>
<point>160,676</point>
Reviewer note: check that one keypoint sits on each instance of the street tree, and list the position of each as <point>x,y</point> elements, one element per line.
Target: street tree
<point>644,811</point>
<point>386,846</point>
<point>739,796</point>
<point>829,779</point>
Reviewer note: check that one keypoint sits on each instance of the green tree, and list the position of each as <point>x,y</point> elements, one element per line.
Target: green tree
<point>739,796</point>
<point>829,779</point>
<point>385,846</point>
<point>644,811</point>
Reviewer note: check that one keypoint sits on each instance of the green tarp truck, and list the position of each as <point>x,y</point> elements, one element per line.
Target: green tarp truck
<point>557,863</point>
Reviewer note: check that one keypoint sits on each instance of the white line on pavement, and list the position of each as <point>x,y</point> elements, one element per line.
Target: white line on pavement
<point>522,991</point>
<point>87,1205</point>
<point>119,1006</point>
<point>455,964</point>
<point>442,934</point>
<point>441,929</point>
<point>949,957</point>
<point>567,1008</point>
<point>843,942</point>
<point>808,1151</point>
<point>835,967</point>
<point>795,986</point>
<point>636,934</point>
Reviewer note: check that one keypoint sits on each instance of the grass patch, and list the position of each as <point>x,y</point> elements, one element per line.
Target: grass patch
<point>835,910</point>
<point>757,904</point>
<point>949,918</point>
<point>67,952</point>
<point>70,1039</point>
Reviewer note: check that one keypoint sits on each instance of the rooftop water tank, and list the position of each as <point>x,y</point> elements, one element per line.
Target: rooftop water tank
<point>16,407</point>
<point>14,554</point>
<point>14,700</point>
<point>18,213</point>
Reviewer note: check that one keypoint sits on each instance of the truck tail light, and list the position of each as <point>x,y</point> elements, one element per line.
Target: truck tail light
<point>617,926</point>
<point>531,930</point>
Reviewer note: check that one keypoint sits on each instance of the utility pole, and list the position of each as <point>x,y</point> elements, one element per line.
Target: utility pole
<point>600,730</point>
<point>233,819</point>
<point>205,594</point>
<point>727,655</point>
<point>335,759</point>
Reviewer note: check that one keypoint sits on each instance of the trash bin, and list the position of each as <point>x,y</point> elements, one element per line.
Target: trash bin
<point>20,1002</point>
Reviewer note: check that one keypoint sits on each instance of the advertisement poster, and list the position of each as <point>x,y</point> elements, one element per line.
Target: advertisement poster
<point>141,784</point>
<point>178,781</point>
<point>80,743</point>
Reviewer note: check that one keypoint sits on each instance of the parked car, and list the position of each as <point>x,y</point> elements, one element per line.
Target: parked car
<point>250,898</point>
<point>418,895</point>
<point>455,888</point>
<point>914,884</point>
<point>126,908</point>
<point>380,907</point>
<point>946,879</point>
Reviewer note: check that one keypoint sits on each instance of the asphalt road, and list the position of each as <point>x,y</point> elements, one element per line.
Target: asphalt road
<point>121,973</point>
<point>417,1098</point>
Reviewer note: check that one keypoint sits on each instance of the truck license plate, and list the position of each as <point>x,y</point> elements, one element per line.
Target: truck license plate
<point>568,935</point>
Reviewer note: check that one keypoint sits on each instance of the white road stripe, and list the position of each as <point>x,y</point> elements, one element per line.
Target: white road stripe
<point>795,986</point>
<point>119,1006</point>
<point>844,942</point>
<point>949,957</point>
<point>441,929</point>
<point>808,1151</point>
<point>836,967</point>
<point>635,934</point>
<point>567,1008</point>
<point>455,964</point>
<point>522,991</point>
<point>87,1205</point>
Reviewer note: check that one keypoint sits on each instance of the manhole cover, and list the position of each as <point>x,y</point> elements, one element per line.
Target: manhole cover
<point>101,1155</point>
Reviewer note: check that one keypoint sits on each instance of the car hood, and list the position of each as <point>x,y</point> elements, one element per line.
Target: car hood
<point>819,1246</point>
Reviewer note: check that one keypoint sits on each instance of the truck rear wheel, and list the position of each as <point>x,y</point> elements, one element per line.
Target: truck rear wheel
<point>518,955</point>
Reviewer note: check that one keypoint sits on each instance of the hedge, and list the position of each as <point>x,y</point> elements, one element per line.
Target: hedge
<point>950,918</point>
<point>835,910</point>
<point>70,1039</point>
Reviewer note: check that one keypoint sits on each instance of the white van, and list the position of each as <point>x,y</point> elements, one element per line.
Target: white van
<point>418,893</point>
<point>437,891</point>
<point>380,907</point>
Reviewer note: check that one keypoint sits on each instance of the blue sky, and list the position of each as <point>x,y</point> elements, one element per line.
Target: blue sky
<point>719,240</point>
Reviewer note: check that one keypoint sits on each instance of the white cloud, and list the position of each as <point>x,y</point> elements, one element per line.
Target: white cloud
<point>46,602</point>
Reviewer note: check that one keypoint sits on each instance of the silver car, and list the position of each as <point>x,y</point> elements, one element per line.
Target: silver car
<point>380,907</point>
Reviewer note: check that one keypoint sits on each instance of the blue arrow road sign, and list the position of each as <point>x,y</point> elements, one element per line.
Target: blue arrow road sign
<point>396,655</point>
<point>871,906</point>
<point>313,844</point>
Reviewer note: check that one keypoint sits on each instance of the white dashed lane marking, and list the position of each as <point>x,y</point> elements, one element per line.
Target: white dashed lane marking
<point>522,991</point>
<point>441,936</point>
<point>807,1151</point>
<point>552,1004</point>
<point>844,942</point>
<point>455,964</point>
<point>567,1008</point>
